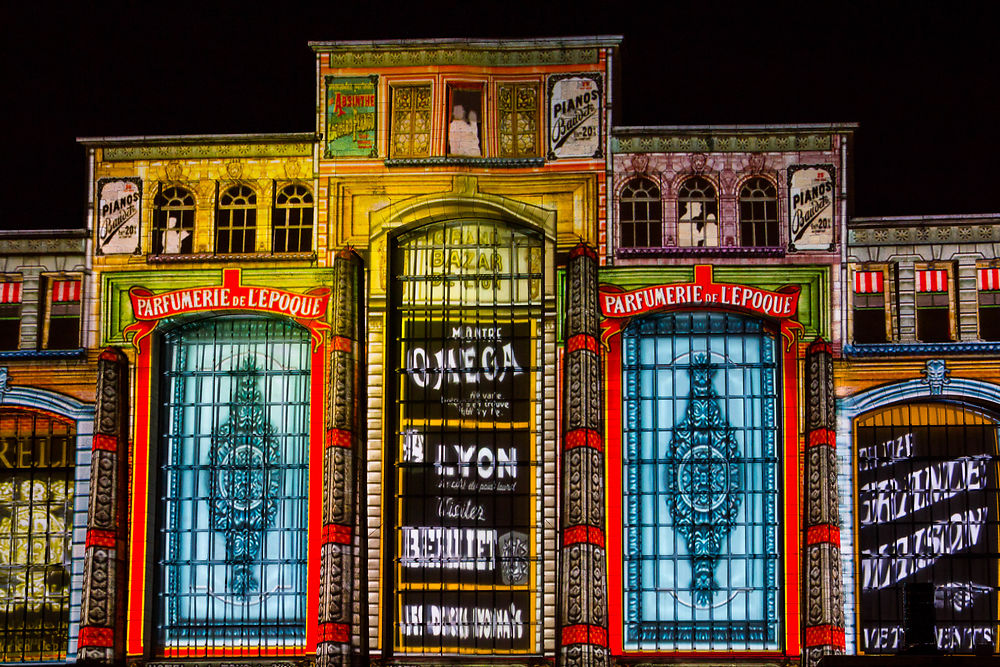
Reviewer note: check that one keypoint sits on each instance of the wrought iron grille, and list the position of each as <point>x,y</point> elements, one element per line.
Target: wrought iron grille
<point>927,498</point>
<point>233,487</point>
<point>466,476</point>
<point>701,491</point>
<point>37,457</point>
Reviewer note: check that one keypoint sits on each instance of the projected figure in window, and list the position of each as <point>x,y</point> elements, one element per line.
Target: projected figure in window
<point>463,133</point>
<point>703,478</point>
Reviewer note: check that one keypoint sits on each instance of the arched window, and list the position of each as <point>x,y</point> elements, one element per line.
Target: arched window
<point>758,213</point>
<point>173,221</point>
<point>236,222</point>
<point>697,213</point>
<point>292,219</point>
<point>640,214</point>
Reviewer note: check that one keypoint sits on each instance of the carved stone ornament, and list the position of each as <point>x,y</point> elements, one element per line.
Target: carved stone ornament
<point>640,163</point>
<point>757,162</point>
<point>936,375</point>
<point>234,168</point>
<point>698,163</point>
<point>173,171</point>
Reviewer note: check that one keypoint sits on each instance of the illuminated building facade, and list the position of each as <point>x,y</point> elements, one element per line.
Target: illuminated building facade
<point>468,373</point>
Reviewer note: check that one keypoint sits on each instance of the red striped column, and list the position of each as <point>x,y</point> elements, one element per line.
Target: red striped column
<point>583,599</point>
<point>102,620</point>
<point>824,599</point>
<point>337,619</point>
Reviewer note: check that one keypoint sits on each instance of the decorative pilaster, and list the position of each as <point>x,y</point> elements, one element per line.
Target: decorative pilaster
<point>102,621</point>
<point>336,578</point>
<point>583,601</point>
<point>824,617</point>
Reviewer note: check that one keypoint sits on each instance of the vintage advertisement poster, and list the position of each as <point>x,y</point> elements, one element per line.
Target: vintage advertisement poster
<point>466,487</point>
<point>118,207</point>
<point>575,110</point>
<point>926,512</point>
<point>811,196</point>
<point>351,121</point>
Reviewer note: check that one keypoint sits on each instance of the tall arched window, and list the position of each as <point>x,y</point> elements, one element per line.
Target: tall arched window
<point>173,221</point>
<point>236,222</point>
<point>292,219</point>
<point>640,214</point>
<point>758,213</point>
<point>697,213</point>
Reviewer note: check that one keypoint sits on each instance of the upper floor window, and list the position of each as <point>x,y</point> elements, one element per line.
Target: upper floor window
<point>10,313</point>
<point>292,219</point>
<point>517,113</point>
<point>236,222</point>
<point>697,213</point>
<point>62,331</point>
<point>465,127</point>
<point>932,306</point>
<point>869,307</point>
<point>989,303</point>
<point>640,214</point>
<point>410,135</point>
<point>758,213</point>
<point>173,221</point>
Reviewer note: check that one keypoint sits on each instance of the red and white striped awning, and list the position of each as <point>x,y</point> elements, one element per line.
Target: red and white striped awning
<point>66,290</point>
<point>989,279</point>
<point>10,292</point>
<point>932,280</point>
<point>868,282</point>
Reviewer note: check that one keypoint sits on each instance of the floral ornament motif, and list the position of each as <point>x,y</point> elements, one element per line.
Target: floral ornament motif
<point>703,478</point>
<point>245,480</point>
<point>514,558</point>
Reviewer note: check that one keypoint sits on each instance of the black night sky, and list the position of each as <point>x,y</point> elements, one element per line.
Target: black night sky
<point>924,84</point>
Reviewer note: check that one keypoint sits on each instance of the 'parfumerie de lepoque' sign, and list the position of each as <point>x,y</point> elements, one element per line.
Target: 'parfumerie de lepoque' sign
<point>703,292</point>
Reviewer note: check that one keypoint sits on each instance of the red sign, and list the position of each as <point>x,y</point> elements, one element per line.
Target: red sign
<point>230,295</point>
<point>781,304</point>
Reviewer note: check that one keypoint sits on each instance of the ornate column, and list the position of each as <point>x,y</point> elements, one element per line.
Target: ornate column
<point>824,587</point>
<point>102,620</point>
<point>337,576</point>
<point>583,596</point>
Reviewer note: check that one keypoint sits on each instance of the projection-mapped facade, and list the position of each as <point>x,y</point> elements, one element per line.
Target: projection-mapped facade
<point>469,373</point>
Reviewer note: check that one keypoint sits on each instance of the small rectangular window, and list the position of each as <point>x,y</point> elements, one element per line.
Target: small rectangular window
<point>989,304</point>
<point>517,114</point>
<point>410,135</point>
<point>465,126</point>
<point>10,313</point>
<point>869,307</point>
<point>63,321</point>
<point>932,306</point>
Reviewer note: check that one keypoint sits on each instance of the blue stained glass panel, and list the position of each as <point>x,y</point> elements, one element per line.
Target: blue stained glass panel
<point>234,445</point>
<point>701,495</point>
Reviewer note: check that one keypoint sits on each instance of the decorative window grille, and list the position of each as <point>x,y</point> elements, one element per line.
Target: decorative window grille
<point>236,220</point>
<point>173,221</point>
<point>517,110</point>
<point>927,489</point>
<point>640,214</point>
<point>697,213</point>
<point>10,313</point>
<point>701,496</point>
<point>759,213</point>
<point>231,537</point>
<point>989,303</point>
<point>63,323</point>
<point>466,475</point>
<point>37,458</point>
<point>932,305</point>
<point>869,307</point>
<point>410,135</point>
<point>292,219</point>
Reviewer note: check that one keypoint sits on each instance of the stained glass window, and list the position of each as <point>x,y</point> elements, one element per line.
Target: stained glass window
<point>410,135</point>
<point>700,472</point>
<point>927,492</point>
<point>232,527</point>
<point>37,457</point>
<point>517,111</point>
<point>466,474</point>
